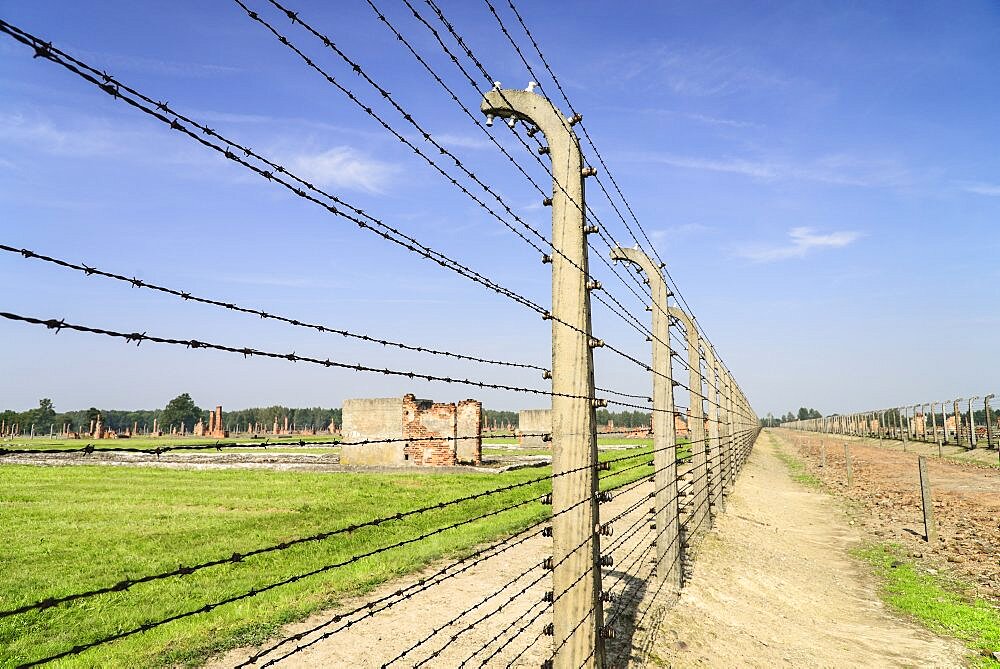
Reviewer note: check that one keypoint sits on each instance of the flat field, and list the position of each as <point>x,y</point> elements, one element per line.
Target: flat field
<point>65,530</point>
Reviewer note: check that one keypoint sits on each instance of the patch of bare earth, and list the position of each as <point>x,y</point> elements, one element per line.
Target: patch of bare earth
<point>774,586</point>
<point>886,485</point>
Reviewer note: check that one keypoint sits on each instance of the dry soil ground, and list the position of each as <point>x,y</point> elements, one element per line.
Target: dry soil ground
<point>774,586</point>
<point>886,484</point>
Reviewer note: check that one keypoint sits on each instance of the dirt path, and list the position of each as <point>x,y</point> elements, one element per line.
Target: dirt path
<point>774,586</point>
<point>966,503</point>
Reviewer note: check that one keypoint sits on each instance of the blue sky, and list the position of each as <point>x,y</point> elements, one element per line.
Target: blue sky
<point>821,178</point>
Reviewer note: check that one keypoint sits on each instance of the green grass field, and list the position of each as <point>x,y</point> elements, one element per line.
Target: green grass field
<point>935,601</point>
<point>153,442</point>
<point>69,529</point>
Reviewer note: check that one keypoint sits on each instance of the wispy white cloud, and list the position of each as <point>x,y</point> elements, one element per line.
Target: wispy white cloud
<point>659,235</point>
<point>41,134</point>
<point>344,167</point>
<point>695,71</point>
<point>837,169</point>
<point>160,66</point>
<point>718,120</point>
<point>802,240</point>
<point>979,188</point>
<point>707,119</point>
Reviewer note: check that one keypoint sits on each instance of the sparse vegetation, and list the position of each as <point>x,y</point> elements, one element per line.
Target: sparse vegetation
<point>936,601</point>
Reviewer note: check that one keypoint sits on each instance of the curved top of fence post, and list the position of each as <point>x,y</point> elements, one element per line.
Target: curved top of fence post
<point>533,108</point>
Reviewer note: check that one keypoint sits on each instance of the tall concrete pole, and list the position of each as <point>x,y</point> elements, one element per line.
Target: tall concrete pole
<point>728,469</point>
<point>972,422</point>
<point>576,551</point>
<point>958,422</point>
<point>714,466</point>
<point>668,569</point>
<point>989,421</point>
<point>698,496</point>
<point>934,422</point>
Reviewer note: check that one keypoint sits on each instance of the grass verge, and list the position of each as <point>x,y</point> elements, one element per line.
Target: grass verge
<point>796,468</point>
<point>71,529</point>
<point>934,601</point>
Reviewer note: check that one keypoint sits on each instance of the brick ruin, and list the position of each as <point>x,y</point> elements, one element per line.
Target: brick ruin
<point>214,428</point>
<point>443,434</point>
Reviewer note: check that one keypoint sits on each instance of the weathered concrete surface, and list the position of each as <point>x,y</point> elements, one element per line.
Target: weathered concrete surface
<point>532,424</point>
<point>469,432</point>
<point>371,420</point>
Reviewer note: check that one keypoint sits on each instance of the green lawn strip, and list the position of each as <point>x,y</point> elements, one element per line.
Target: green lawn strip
<point>797,469</point>
<point>66,530</point>
<point>160,442</point>
<point>934,600</point>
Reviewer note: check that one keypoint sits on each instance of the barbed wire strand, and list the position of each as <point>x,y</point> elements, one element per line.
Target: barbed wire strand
<point>187,296</point>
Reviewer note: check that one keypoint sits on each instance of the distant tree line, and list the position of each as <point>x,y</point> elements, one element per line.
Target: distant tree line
<point>179,411</point>
<point>182,410</point>
<point>802,414</point>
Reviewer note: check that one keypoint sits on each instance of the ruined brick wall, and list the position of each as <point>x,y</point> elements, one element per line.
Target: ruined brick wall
<point>531,425</point>
<point>469,432</point>
<point>681,427</point>
<point>423,420</point>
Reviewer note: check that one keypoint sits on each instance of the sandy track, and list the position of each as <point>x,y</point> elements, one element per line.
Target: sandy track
<point>774,586</point>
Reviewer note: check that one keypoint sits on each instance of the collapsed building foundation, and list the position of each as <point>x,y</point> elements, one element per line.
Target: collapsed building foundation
<point>410,431</point>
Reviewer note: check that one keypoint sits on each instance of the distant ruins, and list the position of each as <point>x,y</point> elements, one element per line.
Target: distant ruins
<point>411,431</point>
<point>214,429</point>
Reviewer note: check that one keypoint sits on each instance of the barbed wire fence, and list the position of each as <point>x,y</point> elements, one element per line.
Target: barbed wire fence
<point>617,531</point>
<point>965,422</point>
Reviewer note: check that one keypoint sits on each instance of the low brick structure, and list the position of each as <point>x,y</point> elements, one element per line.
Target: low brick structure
<point>442,434</point>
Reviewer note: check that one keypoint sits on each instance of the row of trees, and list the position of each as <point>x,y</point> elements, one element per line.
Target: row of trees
<point>803,414</point>
<point>182,410</point>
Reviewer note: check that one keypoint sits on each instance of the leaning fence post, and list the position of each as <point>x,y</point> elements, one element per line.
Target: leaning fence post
<point>847,464</point>
<point>578,614</point>
<point>666,519</point>
<point>925,498</point>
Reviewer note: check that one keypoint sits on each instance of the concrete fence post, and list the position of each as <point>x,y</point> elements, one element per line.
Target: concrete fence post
<point>578,616</point>
<point>989,422</point>
<point>668,570</point>
<point>726,430</point>
<point>848,466</point>
<point>925,498</point>
<point>972,421</point>
<point>697,500</point>
<point>958,422</point>
<point>713,467</point>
